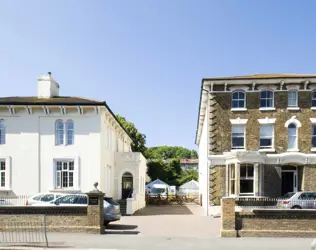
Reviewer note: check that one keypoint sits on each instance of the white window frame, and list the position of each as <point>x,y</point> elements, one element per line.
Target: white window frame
<point>232,168</point>
<point>57,138</point>
<point>76,174</point>
<point>7,173</point>
<point>244,136</point>
<point>72,130</point>
<point>2,132</point>
<point>298,124</point>
<point>238,99</point>
<point>247,178</point>
<point>267,137</point>
<point>267,121</point>
<point>295,136</point>
<point>267,108</point>
<point>313,136</point>
<point>295,99</point>
<point>313,99</point>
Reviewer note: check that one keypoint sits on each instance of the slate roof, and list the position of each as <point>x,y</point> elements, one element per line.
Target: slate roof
<point>58,100</point>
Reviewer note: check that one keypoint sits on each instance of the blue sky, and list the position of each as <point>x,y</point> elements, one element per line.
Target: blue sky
<point>146,58</point>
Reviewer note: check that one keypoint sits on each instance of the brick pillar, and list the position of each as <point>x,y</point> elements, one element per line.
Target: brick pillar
<point>95,212</point>
<point>228,218</point>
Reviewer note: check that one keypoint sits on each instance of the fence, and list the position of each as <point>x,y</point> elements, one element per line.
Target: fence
<point>19,200</point>
<point>29,231</point>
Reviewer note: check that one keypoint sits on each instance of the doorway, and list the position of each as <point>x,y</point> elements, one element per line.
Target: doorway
<point>289,179</point>
<point>127,185</point>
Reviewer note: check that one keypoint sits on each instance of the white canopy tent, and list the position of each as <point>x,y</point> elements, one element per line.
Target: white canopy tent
<point>158,181</point>
<point>190,188</point>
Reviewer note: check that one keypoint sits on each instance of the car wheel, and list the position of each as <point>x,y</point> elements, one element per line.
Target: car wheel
<point>296,207</point>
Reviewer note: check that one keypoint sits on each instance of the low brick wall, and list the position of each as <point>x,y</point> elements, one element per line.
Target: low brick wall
<point>267,222</point>
<point>58,219</point>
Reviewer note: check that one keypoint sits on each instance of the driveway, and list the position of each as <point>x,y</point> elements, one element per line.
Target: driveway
<point>168,221</point>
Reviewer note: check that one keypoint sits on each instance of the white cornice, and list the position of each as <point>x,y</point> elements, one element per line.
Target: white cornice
<point>313,120</point>
<point>267,120</point>
<point>293,87</point>
<point>267,87</point>
<point>238,121</point>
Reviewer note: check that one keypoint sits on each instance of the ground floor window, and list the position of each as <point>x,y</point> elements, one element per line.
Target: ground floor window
<point>64,174</point>
<point>246,179</point>
<point>2,173</point>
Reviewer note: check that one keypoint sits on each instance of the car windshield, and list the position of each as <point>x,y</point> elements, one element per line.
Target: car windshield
<point>288,195</point>
<point>111,201</point>
<point>158,190</point>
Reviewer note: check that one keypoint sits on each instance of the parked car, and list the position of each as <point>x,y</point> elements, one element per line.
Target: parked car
<point>43,198</point>
<point>5,203</point>
<point>111,207</point>
<point>298,200</point>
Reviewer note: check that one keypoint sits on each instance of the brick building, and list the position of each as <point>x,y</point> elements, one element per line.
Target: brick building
<point>256,135</point>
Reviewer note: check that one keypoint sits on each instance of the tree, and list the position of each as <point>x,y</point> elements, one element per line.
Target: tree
<point>138,139</point>
<point>170,152</point>
<point>189,175</point>
<point>167,171</point>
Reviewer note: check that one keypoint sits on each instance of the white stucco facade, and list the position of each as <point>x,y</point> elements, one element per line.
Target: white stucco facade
<point>91,151</point>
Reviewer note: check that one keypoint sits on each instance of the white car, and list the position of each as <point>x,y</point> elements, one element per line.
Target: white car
<point>43,198</point>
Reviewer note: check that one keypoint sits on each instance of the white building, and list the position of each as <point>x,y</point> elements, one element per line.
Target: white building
<point>57,143</point>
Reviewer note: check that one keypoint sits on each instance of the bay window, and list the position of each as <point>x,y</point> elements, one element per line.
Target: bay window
<point>246,179</point>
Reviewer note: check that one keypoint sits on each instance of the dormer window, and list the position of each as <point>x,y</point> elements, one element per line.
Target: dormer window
<point>238,100</point>
<point>266,99</point>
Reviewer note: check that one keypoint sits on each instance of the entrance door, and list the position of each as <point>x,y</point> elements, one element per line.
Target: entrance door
<point>287,182</point>
<point>127,185</point>
<point>289,179</point>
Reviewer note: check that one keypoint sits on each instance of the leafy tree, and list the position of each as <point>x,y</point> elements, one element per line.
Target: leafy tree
<point>139,139</point>
<point>167,171</point>
<point>170,152</point>
<point>188,175</point>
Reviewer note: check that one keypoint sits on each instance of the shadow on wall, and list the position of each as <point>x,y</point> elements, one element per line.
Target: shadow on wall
<point>163,210</point>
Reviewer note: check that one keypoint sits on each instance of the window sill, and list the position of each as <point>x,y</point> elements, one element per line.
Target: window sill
<point>313,149</point>
<point>236,149</point>
<point>267,109</point>
<point>292,150</point>
<point>239,109</point>
<point>293,108</point>
<point>267,150</point>
<point>5,189</point>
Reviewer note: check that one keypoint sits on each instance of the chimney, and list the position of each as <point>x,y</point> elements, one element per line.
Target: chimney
<point>47,87</point>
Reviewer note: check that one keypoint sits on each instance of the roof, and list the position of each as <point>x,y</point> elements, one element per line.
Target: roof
<point>190,185</point>
<point>189,161</point>
<point>157,181</point>
<point>262,76</point>
<point>58,100</point>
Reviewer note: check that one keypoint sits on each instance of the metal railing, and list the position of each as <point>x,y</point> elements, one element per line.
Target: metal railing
<point>274,203</point>
<point>25,230</point>
<point>19,200</point>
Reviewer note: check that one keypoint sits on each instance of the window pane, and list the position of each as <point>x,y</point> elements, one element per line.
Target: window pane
<point>314,130</point>
<point>238,129</point>
<point>263,94</point>
<point>250,171</point>
<point>241,95</point>
<point>263,103</point>
<point>292,142</point>
<point>314,141</point>
<point>235,95</point>
<point>58,182</point>
<point>65,179</point>
<point>266,130</point>
<point>65,165</point>
<point>232,171</point>
<point>246,186</point>
<point>59,164</point>
<point>243,171</point>
<point>235,104</point>
<point>269,94</point>
<point>2,164</point>
<point>269,103</point>
<point>238,142</point>
<point>232,187</point>
<point>314,103</point>
<point>2,179</point>
<point>265,143</point>
<point>71,179</point>
<point>71,165</point>
<point>292,125</point>
<point>241,104</point>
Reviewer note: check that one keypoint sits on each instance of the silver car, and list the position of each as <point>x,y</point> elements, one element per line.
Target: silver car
<point>298,200</point>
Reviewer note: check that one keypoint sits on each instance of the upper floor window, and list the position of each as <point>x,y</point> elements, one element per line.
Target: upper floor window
<point>59,132</point>
<point>314,136</point>
<point>314,98</point>
<point>238,136</point>
<point>70,132</point>
<point>292,136</point>
<point>238,99</point>
<point>292,98</point>
<point>266,99</point>
<point>2,132</point>
<point>266,136</point>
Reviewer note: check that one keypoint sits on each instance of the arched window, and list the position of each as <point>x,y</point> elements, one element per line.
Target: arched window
<point>59,132</point>
<point>266,99</point>
<point>292,136</point>
<point>238,99</point>
<point>70,132</point>
<point>2,132</point>
<point>314,98</point>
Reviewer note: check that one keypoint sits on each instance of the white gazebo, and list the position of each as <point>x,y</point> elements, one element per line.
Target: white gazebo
<point>190,188</point>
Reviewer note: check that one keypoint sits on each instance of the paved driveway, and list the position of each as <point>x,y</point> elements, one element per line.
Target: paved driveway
<point>168,221</point>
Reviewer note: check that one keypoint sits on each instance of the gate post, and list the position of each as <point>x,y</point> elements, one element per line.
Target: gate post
<point>228,218</point>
